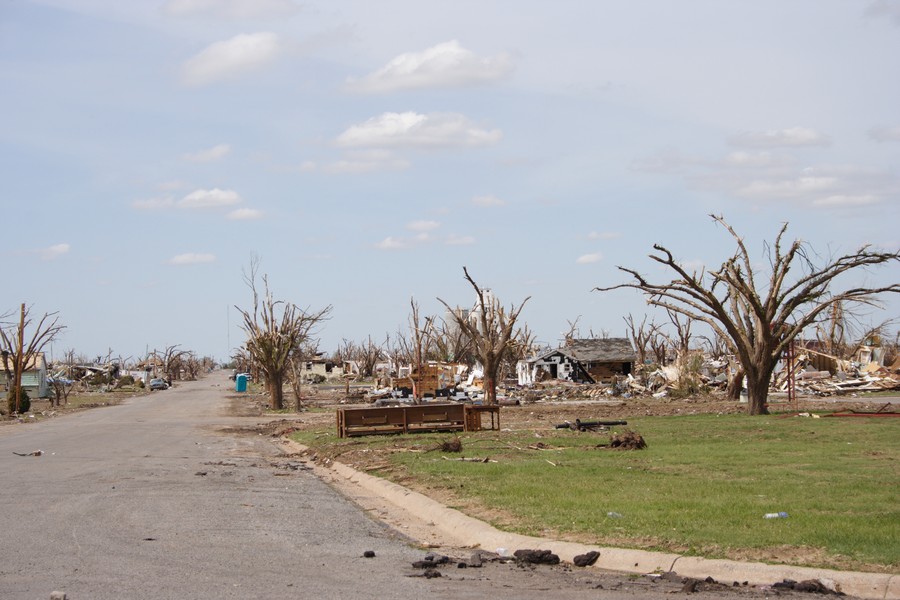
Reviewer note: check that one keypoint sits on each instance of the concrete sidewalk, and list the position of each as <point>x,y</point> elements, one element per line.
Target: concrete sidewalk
<point>475,533</point>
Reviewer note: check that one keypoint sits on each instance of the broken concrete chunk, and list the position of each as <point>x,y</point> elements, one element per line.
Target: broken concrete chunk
<point>536,557</point>
<point>586,560</point>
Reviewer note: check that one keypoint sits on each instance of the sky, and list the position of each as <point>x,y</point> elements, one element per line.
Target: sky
<point>365,152</point>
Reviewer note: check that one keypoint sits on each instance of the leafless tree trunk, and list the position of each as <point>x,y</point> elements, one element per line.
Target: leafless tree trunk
<point>274,330</point>
<point>366,356</point>
<point>451,344</point>
<point>16,350</point>
<point>760,322</point>
<point>641,335</point>
<point>491,333</point>
<point>682,339</point>
<point>421,335</point>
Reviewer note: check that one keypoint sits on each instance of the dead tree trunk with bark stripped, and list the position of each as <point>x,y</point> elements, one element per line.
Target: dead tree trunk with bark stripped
<point>492,331</point>
<point>759,321</point>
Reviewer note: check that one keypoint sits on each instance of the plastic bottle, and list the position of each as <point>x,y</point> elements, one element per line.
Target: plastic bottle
<point>778,515</point>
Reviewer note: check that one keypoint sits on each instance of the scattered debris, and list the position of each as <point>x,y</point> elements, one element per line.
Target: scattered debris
<point>580,425</point>
<point>586,560</point>
<point>454,445</point>
<point>536,557</point>
<point>810,585</point>
<point>35,453</point>
<point>473,459</point>
<point>627,440</point>
<point>431,560</point>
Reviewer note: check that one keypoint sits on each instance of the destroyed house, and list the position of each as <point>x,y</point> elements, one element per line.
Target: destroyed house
<point>34,375</point>
<point>581,361</point>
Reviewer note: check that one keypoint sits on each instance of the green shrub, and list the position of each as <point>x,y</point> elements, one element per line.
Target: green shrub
<point>24,401</point>
<point>125,380</point>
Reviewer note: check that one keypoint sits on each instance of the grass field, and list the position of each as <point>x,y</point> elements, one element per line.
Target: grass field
<point>701,487</point>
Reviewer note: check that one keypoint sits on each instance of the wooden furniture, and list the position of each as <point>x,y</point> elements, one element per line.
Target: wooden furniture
<point>415,418</point>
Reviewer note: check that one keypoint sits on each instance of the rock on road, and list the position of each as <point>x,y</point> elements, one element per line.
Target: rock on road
<point>151,499</point>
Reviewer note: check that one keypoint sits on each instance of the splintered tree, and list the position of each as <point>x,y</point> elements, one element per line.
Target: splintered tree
<point>275,330</point>
<point>759,321</point>
<point>19,352</point>
<point>492,330</point>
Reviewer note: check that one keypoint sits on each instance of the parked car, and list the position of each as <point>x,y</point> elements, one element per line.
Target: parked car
<point>158,384</point>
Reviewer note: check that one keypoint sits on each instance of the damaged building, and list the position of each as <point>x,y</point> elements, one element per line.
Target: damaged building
<point>34,375</point>
<point>581,361</point>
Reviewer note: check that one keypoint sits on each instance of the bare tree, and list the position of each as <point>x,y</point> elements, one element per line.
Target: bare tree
<point>451,344</point>
<point>491,331</point>
<point>367,354</point>
<point>573,333</point>
<point>62,387</point>
<point>275,329</point>
<point>760,322</point>
<point>681,342</point>
<point>19,347</point>
<point>641,336</point>
<point>421,331</point>
<point>173,361</point>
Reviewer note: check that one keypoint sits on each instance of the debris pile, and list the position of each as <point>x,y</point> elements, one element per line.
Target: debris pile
<point>627,440</point>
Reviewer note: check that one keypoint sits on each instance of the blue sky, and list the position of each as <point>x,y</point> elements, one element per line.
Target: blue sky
<point>367,151</point>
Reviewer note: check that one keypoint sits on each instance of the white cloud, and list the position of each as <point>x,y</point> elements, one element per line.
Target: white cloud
<point>798,187</point>
<point>753,159</point>
<point>889,9</point>
<point>443,65</point>
<point>230,58</point>
<point>460,240</point>
<point>210,154</point>
<point>154,203</point>
<point>488,200</point>
<point>777,138</point>
<point>845,201</point>
<point>54,252</point>
<point>173,185</point>
<point>392,243</point>
<point>604,235</point>
<point>192,258</point>
<point>244,214</point>
<point>230,9</point>
<point>423,226</point>
<point>359,161</point>
<point>213,198</point>
<point>885,134</point>
<point>435,130</point>
<point>588,259</point>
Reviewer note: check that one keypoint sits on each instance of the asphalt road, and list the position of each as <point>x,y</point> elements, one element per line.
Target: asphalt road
<point>151,499</point>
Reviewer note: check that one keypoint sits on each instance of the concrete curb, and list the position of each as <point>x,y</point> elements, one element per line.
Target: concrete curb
<point>473,532</point>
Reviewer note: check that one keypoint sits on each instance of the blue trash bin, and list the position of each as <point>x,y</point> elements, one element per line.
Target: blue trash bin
<point>240,383</point>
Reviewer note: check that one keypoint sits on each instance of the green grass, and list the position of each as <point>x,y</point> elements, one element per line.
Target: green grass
<point>701,487</point>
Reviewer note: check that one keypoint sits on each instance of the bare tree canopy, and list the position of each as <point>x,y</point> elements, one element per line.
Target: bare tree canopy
<point>18,347</point>
<point>759,321</point>
<point>492,331</point>
<point>275,330</point>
